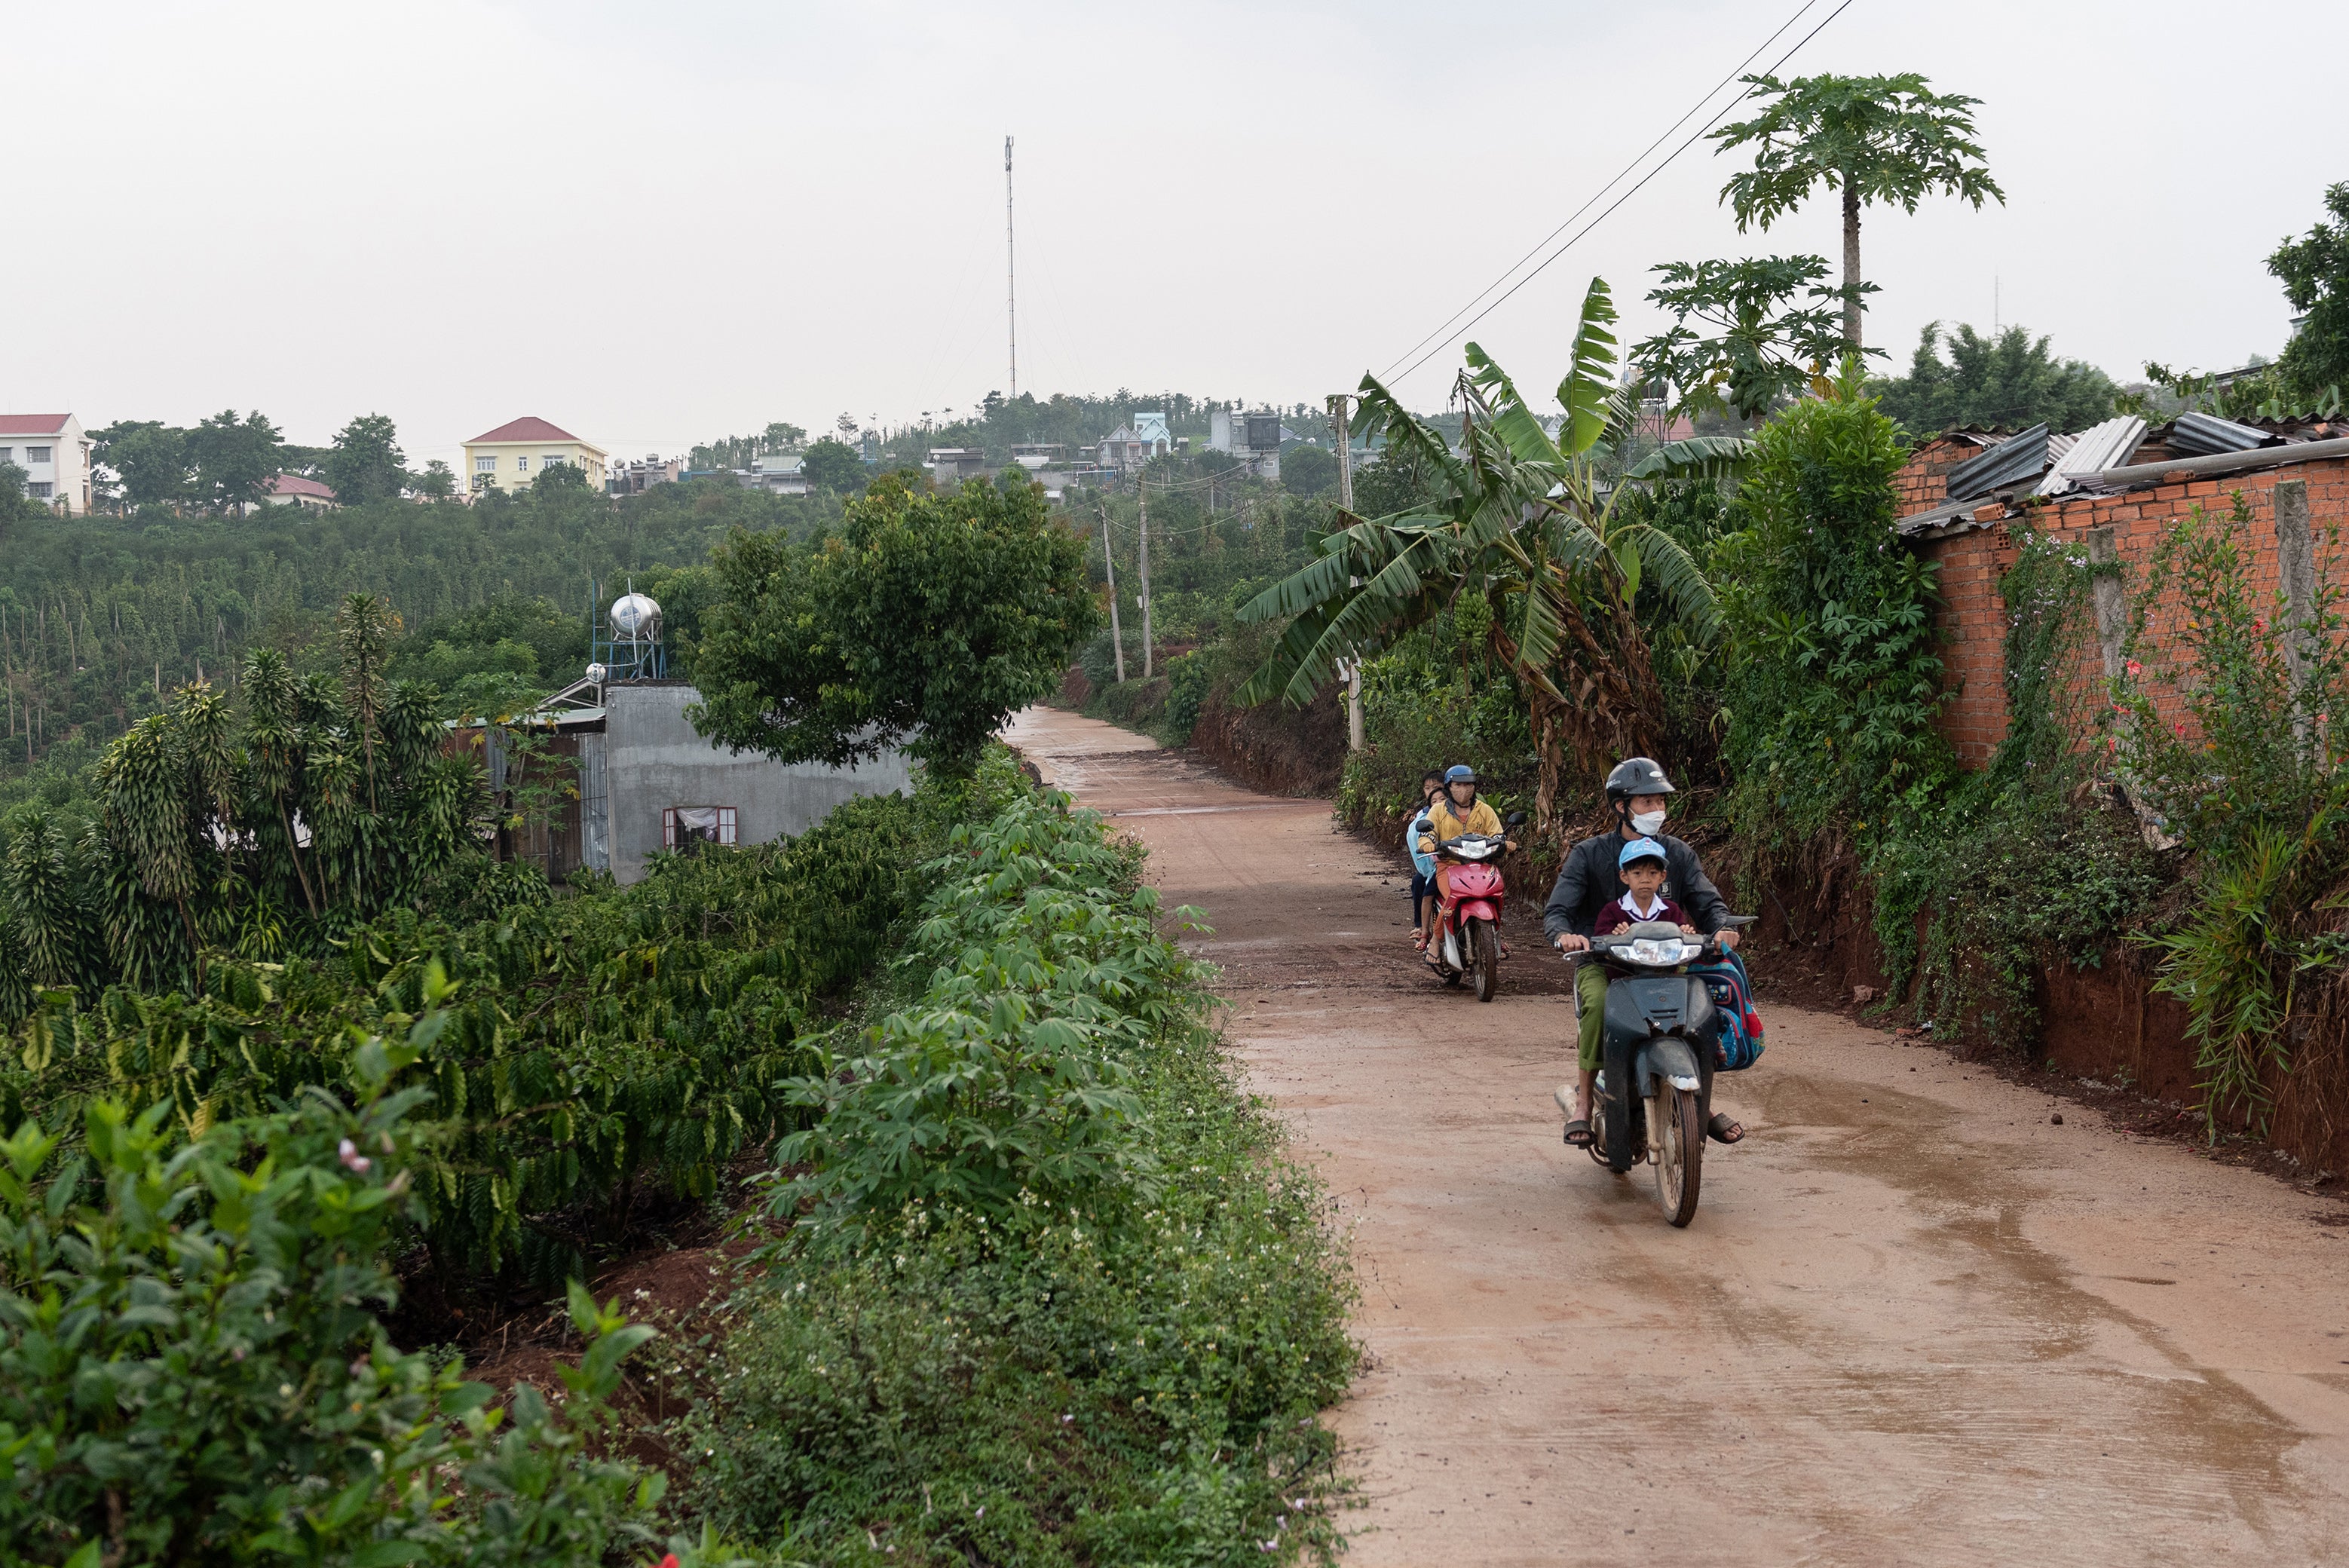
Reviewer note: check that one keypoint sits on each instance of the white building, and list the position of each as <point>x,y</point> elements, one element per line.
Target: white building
<point>779,473</point>
<point>1129,447</point>
<point>634,478</point>
<point>54,454</point>
<point>298,490</point>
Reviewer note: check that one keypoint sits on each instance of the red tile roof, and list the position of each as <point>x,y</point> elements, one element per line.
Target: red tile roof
<point>295,484</point>
<point>529,428</point>
<point>32,424</point>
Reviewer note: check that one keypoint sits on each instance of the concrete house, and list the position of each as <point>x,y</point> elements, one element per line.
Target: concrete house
<point>510,456</point>
<point>55,456</point>
<point>305,494</point>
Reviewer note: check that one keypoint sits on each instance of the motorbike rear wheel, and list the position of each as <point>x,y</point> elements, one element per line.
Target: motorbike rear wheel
<point>1487,956</point>
<point>1680,1157</point>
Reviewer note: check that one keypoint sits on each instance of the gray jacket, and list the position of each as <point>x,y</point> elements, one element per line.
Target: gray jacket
<point>1590,880</point>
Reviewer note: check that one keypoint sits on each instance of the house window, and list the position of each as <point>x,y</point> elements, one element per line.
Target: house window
<point>8,454</point>
<point>552,460</point>
<point>485,465</point>
<point>688,828</point>
<point>36,454</point>
<point>39,490</point>
<point>522,462</point>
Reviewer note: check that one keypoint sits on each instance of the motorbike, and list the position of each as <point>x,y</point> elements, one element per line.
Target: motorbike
<point>1466,942</point>
<point>1654,1095</point>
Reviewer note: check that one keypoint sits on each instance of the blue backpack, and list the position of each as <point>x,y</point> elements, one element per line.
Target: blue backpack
<point>1733,1002</point>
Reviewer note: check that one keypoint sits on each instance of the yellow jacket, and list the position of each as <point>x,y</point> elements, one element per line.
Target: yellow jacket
<point>1448,824</point>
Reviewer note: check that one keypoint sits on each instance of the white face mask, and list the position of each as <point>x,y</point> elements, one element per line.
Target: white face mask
<point>1648,822</point>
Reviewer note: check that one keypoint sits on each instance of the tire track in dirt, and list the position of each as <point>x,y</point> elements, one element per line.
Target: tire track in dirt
<point>1913,1322</point>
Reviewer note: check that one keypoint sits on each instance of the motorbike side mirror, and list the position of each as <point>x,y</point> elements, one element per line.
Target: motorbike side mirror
<point>1513,820</point>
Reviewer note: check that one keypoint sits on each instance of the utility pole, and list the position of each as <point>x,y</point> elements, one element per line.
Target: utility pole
<point>1355,738</point>
<point>1109,559</point>
<point>1337,415</point>
<point>1141,488</point>
<point>1010,272</point>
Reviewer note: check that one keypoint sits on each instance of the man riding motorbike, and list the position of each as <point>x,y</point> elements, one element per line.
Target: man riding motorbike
<point>1590,880</point>
<point>1456,811</point>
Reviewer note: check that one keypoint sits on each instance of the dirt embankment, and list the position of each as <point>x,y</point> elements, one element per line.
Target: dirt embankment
<point>1273,747</point>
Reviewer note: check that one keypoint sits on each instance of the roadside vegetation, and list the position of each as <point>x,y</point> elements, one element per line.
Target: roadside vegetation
<point>289,1110</point>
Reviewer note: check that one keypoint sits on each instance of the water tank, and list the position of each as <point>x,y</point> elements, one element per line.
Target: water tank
<point>636,619</point>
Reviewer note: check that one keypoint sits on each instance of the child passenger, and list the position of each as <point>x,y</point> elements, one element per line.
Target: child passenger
<point>1644,871</point>
<point>1423,866</point>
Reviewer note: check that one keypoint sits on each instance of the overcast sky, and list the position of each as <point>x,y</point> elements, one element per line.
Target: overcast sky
<point>657,223</point>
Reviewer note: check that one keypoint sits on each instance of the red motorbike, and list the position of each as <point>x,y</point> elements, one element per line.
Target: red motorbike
<point>1466,942</point>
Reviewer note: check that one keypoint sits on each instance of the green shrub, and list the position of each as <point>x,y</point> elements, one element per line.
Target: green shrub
<point>1012,1079</point>
<point>1059,1301</point>
<point>1835,680</point>
<point>192,1369</point>
<point>1187,680</point>
<point>2230,743</point>
<point>600,1049</point>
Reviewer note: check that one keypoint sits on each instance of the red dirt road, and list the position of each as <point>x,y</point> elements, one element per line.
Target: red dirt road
<point>1913,1322</point>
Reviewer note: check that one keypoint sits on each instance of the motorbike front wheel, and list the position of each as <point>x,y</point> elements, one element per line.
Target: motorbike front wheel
<point>1679,1157</point>
<point>1488,958</point>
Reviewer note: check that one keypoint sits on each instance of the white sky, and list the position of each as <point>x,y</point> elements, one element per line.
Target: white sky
<point>655,224</point>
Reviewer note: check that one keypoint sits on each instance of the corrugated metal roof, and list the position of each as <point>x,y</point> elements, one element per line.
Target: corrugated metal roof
<point>1941,516</point>
<point>2097,448</point>
<point>2196,434</point>
<point>2023,456</point>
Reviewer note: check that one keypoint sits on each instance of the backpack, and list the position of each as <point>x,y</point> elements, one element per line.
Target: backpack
<point>1731,991</point>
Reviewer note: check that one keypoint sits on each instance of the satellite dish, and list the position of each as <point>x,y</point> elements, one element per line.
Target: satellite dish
<point>636,617</point>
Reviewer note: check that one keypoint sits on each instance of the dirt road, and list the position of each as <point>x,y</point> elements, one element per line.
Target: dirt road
<point>1914,1322</point>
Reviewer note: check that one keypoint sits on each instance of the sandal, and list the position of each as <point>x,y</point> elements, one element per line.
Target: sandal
<point>1573,1128</point>
<point>1723,1129</point>
<point>1419,941</point>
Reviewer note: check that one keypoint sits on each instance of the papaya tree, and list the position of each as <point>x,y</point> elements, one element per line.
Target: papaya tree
<point>1530,524</point>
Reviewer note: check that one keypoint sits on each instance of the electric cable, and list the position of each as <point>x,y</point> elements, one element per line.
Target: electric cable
<point>1704,131</point>
<point>1734,71</point>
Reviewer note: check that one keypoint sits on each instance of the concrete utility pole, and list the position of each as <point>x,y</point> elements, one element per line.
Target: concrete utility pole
<point>1109,559</point>
<point>1141,488</point>
<point>1355,738</point>
<point>1010,272</point>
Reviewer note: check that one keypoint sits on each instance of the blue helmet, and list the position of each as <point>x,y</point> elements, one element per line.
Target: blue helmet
<point>1462,774</point>
<point>1641,850</point>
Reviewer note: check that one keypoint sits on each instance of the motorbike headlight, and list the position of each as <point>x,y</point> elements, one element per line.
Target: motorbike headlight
<point>1664,951</point>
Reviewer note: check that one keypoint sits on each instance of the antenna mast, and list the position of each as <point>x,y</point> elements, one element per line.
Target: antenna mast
<point>1010,269</point>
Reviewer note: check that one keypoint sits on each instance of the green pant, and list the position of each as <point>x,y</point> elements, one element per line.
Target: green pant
<point>1590,993</point>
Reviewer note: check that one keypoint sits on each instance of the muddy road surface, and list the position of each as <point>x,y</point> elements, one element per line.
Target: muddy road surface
<point>1914,1322</point>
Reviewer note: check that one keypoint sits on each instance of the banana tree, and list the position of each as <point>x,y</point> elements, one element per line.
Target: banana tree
<point>1529,522</point>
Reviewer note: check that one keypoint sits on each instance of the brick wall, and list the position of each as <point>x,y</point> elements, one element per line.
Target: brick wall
<point>1923,483</point>
<point>1974,617</point>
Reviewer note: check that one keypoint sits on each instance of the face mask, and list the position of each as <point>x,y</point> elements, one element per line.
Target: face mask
<point>1648,822</point>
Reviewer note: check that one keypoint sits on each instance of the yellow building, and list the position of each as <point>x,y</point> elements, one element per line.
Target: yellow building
<point>512,454</point>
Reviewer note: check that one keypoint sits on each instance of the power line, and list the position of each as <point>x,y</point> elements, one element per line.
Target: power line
<point>1734,71</point>
<point>1627,195</point>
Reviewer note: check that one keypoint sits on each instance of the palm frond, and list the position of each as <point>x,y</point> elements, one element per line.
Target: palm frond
<point>1510,418</point>
<point>1699,457</point>
<point>1678,578</point>
<point>1383,414</point>
<point>1589,380</point>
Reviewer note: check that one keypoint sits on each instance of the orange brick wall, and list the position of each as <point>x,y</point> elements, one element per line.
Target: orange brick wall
<point>1923,483</point>
<point>1974,617</point>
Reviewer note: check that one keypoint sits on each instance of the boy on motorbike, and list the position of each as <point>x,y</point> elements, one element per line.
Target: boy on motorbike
<point>1593,879</point>
<point>1456,811</point>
